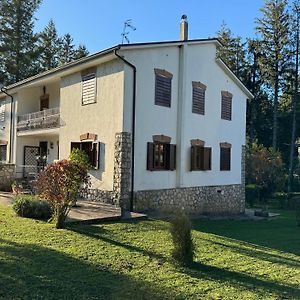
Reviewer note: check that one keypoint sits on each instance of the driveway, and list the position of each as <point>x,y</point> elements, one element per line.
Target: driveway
<point>6,198</point>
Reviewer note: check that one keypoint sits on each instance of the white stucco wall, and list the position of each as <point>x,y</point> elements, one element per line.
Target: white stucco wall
<point>104,118</point>
<point>200,65</point>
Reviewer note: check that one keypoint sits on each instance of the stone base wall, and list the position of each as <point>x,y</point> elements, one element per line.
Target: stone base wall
<point>214,200</point>
<point>98,195</point>
<point>7,176</point>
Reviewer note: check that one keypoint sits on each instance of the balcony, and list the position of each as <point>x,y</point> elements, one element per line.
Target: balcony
<point>45,119</point>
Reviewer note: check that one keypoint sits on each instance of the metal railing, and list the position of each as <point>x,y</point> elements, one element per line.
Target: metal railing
<point>49,118</point>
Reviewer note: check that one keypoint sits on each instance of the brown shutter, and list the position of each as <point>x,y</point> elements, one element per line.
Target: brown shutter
<point>75,145</point>
<point>193,158</point>
<point>150,156</point>
<point>207,159</point>
<point>96,155</point>
<point>198,106</point>
<point>226,106</point>
<point>225,159</point>
<point>163,87</point>
<point>171,158</point>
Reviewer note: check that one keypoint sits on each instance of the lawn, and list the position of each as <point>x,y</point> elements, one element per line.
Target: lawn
<point>131,260</point>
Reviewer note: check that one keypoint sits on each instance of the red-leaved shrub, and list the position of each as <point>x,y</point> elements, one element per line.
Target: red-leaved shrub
<point>60,184</point>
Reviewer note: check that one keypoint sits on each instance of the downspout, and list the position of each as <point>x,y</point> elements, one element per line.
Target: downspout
<point>3,90</point>
<point>132,125</point>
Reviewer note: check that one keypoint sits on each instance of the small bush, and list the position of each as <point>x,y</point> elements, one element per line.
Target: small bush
<point>282,199</point>
<point>181,231</point>
<point>80,158</point>
<point>31,207</point>
<point>252,194</point>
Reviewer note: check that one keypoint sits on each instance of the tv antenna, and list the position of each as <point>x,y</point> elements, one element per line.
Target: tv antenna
<point>127,25</point>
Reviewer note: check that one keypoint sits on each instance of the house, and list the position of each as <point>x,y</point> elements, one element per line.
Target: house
<point>163,124</point>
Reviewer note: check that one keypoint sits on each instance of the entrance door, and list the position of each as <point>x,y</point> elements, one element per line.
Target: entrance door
<point>31,153</point>
<point>44,102</point>
<point>42,161</point>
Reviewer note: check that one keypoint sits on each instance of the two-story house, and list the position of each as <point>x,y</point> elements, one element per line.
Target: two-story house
<point>163,124</point>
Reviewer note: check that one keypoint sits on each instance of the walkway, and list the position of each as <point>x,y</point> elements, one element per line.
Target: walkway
<point>86,211</point>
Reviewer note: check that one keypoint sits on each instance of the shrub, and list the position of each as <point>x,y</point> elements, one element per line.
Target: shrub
<point>31,207</point>
<point>80,158</point>
<point>282,199</point>
<point>60,184</point>
<point>252,194</point>
<point>265,168</point>
<point>181,231</point>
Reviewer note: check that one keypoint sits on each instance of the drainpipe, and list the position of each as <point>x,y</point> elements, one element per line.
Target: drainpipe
<point>4,90</point>
<point>133,124</point>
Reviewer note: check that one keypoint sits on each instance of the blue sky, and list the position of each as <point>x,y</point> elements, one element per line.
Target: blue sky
<point>99,24</point>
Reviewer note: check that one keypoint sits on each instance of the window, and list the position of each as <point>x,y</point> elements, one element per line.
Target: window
<point>89,86</point>
<point>198,106</point>
<point>226,105</point>
<point>3,152</point>
<point>163,87</point>
<point>2,111</point>
<point>92,149</point>
<point>161,156</point>
<point>225,156</point>
<point>200,158</point>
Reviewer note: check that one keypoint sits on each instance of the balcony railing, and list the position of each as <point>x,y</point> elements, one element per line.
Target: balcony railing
<point>45,119</point>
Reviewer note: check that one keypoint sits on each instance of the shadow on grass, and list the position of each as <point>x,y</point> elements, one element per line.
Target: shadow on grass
<point>97,233</point>
<point>279,233</point>
<point>34,272</point>
<point>236,279</point>
<point>257,251</point>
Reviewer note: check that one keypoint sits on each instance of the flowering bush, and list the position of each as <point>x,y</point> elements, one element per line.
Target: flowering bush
<point>81,158</point>
<point>60,184</point>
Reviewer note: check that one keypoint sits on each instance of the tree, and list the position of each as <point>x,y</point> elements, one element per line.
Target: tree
<point>265,168</point>
<point>232,50</point>
<point>49,45</point>
<point>81,52</point>
<point>67,50</point>
<point>17,40</point>
<point>273,28</point>
<point>60,183</point>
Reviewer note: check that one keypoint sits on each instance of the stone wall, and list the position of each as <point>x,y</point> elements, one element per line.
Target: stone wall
<point>122,170</point>
<point>7,176</point>
<point>98,195</point>
<point>216,200</point>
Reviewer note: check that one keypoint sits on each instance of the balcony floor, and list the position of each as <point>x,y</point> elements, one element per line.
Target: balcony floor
<point>39,132</point>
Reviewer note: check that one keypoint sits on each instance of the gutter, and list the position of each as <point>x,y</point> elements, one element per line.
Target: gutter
<point>133,123</point>
<point>4,91</point>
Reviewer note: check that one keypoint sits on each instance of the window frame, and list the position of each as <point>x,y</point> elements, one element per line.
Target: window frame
<point>225,157</point>
<point>86,75</point>
<point>198,105</point>
<point>93,155</point>
<point>226,105</point>
<point>201,158</point>
<point>163,80</point>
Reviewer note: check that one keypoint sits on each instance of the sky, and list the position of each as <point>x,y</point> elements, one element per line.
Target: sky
<point>98,24</point>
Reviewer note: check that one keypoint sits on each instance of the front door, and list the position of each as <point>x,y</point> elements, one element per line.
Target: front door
<point>44,102</point>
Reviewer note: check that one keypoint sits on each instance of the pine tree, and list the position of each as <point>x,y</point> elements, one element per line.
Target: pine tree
<point>81,52</point>
<point>49,46</point>
<point>232,50</point>
<point>17,40</point>
<point>67,50</point>
<point>273,28</point>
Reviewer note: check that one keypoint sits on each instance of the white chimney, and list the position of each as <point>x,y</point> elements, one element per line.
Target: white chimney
<point>184,28</point>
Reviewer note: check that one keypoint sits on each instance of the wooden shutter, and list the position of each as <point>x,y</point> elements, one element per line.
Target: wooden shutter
<point>89,89</point>
<point>150,156</point>
<point>96,155</point>
<point>225,159</point>
<point>193,158</point>
<point>207,159</point>
<point>163,87</point>
<point>171,157</point>
<point>75,145</point>
<point>2,112</point>
<point>226,106</point>
<point>198,101</point>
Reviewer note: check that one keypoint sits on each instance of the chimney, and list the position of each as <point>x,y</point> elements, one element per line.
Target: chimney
<point>184,28</point>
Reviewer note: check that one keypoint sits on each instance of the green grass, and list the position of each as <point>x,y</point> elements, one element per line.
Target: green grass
<point>131,260</point>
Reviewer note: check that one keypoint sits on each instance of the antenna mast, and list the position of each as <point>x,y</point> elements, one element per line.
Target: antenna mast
<point>127,25</point>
